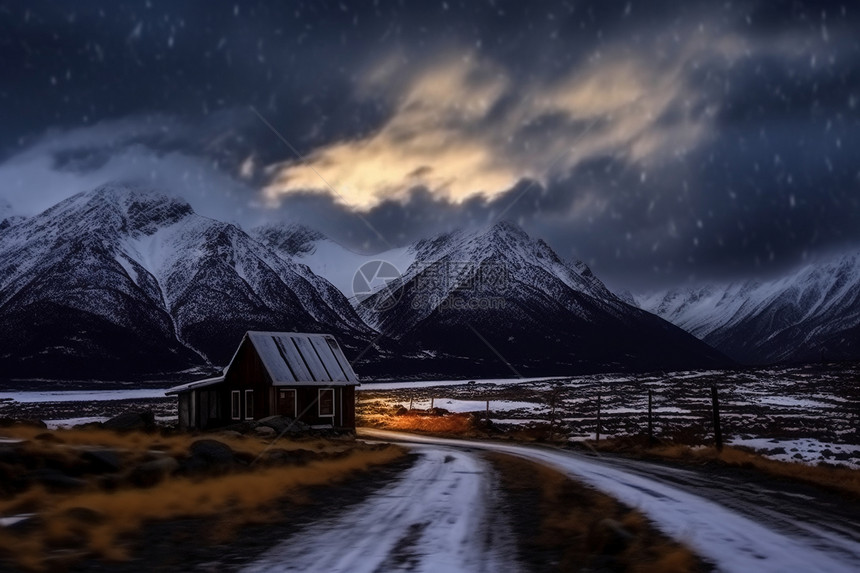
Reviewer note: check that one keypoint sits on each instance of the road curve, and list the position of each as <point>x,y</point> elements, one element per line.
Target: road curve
<point>435,517</point>
<point>759,539</point>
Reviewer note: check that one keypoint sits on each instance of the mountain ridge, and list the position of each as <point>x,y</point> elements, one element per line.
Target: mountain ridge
<point>505,296</point>
<point>118,256</point>
<point>123,278</point>
<point>807,314</point>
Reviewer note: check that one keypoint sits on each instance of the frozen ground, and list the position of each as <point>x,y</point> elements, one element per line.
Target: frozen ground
<point>435,517</point>
<point>801,449</point>
<point>809,414</point>
<point>812,413</point>
<point>704,513</point>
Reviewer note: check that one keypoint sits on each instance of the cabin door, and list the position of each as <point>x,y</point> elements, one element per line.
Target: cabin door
<point>287,403</point>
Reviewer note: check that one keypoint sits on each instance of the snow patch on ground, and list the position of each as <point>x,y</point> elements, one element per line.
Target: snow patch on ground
<point>792,402</point>
<point>804,450</point>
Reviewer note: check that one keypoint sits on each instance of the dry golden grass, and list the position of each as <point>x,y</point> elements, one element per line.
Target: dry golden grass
<point>844,480</point>
<point>98,521</point>
<point>571,524</point>
<point>448,424</point>
<point>421,421</point>
<point>170,443</point>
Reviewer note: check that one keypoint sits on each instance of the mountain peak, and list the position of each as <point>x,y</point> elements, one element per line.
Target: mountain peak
<point>290,238</point>
<point>143,209</point>
<point>506,227</point>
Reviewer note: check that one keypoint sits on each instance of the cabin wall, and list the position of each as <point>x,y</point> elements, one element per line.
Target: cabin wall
<point>348,407</point>
<point>247,372</point>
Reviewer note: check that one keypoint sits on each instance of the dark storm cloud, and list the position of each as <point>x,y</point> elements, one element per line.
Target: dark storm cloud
<point>657,141</point>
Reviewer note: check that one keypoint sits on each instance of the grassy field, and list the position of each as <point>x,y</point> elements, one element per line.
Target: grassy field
<point>840,479</point>
<point>90,513</point>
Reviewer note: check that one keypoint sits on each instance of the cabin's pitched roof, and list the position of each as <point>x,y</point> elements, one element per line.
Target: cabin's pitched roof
<point>291,359</point>
<point>302,359</point>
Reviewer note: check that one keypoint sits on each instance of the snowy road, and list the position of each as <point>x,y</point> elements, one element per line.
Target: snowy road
<point>435,517</point>
<point>704,514</point>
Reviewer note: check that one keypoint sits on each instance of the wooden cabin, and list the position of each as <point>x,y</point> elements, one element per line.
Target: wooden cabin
<point>303,376</point>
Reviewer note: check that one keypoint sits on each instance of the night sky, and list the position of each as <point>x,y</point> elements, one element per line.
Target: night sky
<point>660,142</point>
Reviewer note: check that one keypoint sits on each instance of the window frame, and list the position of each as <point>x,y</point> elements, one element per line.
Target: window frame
<point>249,404</point>
<point>235,405</point>
<point>319,403</point>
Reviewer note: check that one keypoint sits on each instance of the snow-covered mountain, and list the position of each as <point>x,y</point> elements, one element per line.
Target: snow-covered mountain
<point>121,279</point>
<point>327,258</point>
<point>497,296</point>
<point>809,314</point>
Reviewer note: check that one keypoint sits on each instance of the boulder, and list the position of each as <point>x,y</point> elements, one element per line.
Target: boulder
<point>265,432</point>
<point>150,473</point>
<point>438,412</point>
<point>130,421</point>
<point>101,460</point>
<point>54,479</point>
<point>208,455</point>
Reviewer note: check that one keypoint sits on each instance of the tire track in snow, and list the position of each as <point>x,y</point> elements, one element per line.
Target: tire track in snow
<point>732,541</point>
<point>436,517</point>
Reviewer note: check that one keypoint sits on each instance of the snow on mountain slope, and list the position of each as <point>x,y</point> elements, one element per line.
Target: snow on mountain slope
<point>327,258</point>
<point>132,260</point>
<point>807,314</point>
<point>498,294</point>
<point>455,263</point>
<point>67,304</point>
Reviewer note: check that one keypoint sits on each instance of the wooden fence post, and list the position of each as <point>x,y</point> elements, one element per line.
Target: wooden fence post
<point>432,402</point>
<point>410,403</point>
<point>650,419</point>
<point>718,432</point>
<point>598,416</point>
<point>488,412</point>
